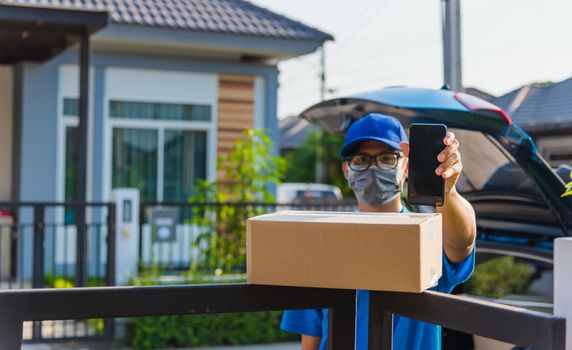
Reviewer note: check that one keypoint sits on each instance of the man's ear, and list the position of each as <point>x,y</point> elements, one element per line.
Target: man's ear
<point>345,170</point>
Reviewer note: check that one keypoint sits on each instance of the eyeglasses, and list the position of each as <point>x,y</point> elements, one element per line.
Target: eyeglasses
<point>362,162</point>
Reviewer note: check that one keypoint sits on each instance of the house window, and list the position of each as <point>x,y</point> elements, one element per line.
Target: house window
<point>159,148</point>
<point>159,111</point>
<point>70,111</point>
<point>71,107</point>
<point>185,162</point>
<point>135,160</point>
<point>71,159</point>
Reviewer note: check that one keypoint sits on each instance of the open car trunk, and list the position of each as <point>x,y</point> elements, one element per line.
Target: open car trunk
<point>515,193</point>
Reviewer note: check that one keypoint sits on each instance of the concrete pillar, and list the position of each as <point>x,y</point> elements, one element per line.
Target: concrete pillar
<point>127,234</point>
<point>563,284</point>
<point>6,116</point>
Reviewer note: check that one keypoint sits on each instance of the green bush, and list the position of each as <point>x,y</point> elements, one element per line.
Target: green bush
<point>248,169</point>
<point>51,281</point>
<point>301,162</point>
<point>500,276</point>
<point>196,330</point>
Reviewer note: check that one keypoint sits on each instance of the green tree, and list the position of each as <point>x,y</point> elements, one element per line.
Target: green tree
<point>302,161</point>
<point>249,169</point>
<point>568,191</point>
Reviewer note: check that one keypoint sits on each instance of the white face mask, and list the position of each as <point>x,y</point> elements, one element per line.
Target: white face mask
<point>376,187</point>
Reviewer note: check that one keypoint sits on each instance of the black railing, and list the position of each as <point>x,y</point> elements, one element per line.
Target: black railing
<point>198,224</point>
<point>525,328</point>
<point>19,306</point>
<point>48,245</point>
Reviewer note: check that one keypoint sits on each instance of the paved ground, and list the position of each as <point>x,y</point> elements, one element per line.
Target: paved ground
<point>84,346</point>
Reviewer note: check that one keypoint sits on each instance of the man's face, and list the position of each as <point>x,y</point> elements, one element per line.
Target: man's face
<point>373,148</point>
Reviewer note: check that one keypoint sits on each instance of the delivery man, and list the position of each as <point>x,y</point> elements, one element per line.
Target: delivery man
<point>374,158</point>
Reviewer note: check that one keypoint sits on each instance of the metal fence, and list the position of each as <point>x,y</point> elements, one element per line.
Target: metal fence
<point>526,328</point>
<point>203,230</point>
<point>63,245</point>
<point>57,245</point>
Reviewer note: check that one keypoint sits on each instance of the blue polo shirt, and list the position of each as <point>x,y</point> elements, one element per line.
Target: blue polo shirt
<point>408,334</point>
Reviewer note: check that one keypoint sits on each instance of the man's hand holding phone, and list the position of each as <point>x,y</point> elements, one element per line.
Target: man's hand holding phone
<point>450,159</point>
<point>449,165</point>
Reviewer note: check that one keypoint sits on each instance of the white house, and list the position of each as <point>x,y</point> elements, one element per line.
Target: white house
<point>173,85</point>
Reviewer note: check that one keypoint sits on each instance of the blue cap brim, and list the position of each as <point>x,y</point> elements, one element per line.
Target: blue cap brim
<point>347,148</point>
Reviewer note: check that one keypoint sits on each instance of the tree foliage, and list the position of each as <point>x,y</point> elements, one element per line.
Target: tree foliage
<point>302,161</point>
<point>568,191</point>
<point>249,170</point>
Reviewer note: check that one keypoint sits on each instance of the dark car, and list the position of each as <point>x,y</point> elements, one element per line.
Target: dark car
<point>515,193</point>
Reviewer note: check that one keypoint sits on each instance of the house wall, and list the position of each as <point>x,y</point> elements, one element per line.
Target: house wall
<point>38,131</point>
<point>6,116</point>
<point>41,93</point>
<point>162,86</point>
<point>556,149</point>
<point>236,102</point>
<point>39,137</point>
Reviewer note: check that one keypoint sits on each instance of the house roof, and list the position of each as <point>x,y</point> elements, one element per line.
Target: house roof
<point>38,34</point>
<point>480,93</point>
<point>212,16</point>
<point>540,106</point>
<point>293,131</point>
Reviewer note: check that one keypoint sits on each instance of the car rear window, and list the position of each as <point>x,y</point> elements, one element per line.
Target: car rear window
<point>488,167</point>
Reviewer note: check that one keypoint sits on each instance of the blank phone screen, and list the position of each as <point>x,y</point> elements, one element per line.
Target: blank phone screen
<point>426,142</point>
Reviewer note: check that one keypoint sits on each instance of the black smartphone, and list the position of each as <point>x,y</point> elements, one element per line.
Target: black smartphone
<point>425,143</point>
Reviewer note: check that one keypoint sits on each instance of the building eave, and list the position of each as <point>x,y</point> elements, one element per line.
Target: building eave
<point>262,48</point>
<point>554,128</point>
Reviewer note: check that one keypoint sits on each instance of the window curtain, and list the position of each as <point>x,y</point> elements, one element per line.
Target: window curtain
<point>184,162</point>
<point>135,160</point>
<point>70,176</point>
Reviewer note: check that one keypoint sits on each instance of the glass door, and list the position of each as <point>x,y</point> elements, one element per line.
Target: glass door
<point>185,160</point>
<point>135,154</point>
<point>164,164</point>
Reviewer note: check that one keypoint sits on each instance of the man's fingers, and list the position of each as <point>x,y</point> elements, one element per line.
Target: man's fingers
<point>452,148</point>
<point>453,170</point>
<point>449,137</point>
<point>448,163</point>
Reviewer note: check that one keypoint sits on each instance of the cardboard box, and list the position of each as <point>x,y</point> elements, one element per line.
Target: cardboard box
<point>372,251</point>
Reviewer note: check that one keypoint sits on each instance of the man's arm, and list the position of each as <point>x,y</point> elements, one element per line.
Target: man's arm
<point>459,227</point>
<point>459,223</point>
<point>310,343</point>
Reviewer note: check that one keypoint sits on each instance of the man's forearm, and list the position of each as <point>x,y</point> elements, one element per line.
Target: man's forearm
<point>310,342</point>
<point>459,226</point>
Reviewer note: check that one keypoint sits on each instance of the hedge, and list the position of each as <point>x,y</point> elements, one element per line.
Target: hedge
<point>205,330</point>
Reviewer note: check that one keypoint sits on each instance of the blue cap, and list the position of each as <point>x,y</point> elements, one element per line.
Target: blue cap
<point>374,127</point>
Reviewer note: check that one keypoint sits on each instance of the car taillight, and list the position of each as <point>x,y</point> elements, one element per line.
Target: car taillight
<point>475,104</point>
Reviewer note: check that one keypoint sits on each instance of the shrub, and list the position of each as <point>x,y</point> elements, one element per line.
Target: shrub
<point>197,330</point>
<point>249,169</point>
<point>499,277</point>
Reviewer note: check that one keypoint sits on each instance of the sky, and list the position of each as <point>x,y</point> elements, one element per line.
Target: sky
<point>379,43</point>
